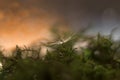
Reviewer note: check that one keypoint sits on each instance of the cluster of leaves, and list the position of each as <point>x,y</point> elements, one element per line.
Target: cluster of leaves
<point>99,61</point>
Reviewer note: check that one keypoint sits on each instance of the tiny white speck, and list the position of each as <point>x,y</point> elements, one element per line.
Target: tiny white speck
<point>1,65</point>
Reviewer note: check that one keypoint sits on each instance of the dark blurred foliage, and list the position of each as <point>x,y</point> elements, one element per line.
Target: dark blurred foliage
<point>98,61</point>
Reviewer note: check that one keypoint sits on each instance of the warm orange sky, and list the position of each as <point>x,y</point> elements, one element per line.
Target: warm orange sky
<point>21,26</point>
<point>12,33</point>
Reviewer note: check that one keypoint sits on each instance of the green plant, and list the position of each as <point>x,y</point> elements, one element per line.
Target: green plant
<point>96,62</point>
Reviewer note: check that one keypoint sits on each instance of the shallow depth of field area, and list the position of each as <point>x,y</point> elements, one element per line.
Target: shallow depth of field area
<point>98,60</point>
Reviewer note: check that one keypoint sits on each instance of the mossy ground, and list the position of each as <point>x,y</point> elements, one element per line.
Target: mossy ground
<point>98,61</point>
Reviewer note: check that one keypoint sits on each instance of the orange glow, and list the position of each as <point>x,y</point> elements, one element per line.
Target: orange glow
<point>22,25</point>
<point>16,30</point>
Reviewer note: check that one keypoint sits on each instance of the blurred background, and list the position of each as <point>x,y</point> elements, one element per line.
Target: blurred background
<point>25,21</point>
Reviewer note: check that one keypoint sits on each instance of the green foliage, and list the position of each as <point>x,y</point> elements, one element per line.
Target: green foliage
<point>96,62</point>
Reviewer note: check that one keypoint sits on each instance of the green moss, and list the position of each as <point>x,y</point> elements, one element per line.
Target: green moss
<point>96,62</point>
